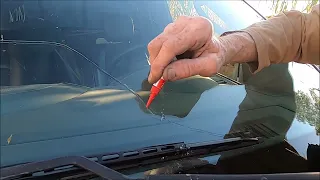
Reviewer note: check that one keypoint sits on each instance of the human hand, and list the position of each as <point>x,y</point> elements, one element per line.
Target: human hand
<point>190,39</point>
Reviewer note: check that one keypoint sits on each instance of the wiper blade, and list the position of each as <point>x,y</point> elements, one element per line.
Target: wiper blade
<point>224,145</point>
<point>168,152</point>
<point>127,159</point>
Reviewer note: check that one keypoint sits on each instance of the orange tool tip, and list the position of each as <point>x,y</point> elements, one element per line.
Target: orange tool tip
<point>156,88</point>
<point>151,98</point>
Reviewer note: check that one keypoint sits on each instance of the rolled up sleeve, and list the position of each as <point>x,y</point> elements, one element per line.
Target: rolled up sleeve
<point>289,36</point>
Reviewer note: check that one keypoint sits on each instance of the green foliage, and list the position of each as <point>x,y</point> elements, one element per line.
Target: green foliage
<point>308,108</point>
<point>283,5</point>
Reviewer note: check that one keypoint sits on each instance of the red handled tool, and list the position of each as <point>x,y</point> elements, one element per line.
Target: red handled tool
<point>156,88</point>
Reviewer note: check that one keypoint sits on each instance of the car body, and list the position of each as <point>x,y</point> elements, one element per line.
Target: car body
<point>55,102</point>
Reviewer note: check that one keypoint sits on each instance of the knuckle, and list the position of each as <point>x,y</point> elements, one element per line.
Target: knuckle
<point>151,45</point>
<point>201,23</point>
<point>168,45</point>
<point>179,41</point>
<point>202,20</point>
<point>169,27</point>
<point>184,69</point>
<point>188,70</point>
<point>172,47</point>
<point>154,44</point>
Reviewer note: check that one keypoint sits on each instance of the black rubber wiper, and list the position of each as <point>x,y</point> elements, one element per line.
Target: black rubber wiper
<point>121,160</point>
<point>168,152</point>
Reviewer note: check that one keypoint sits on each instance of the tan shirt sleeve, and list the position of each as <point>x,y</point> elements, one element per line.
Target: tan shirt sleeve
<point>289,36</point>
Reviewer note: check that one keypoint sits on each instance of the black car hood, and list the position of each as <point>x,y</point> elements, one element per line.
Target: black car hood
<point>47,121</point>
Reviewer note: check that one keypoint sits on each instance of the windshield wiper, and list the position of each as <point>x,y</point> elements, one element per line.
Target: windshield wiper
<point>126,159</point>
<point>82,162</point>
<point>109,174</point>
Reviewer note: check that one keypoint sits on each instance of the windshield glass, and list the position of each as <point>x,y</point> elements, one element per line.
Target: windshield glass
<point>74,81</point>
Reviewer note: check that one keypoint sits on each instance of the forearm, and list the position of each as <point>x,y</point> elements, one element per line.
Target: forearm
<point>238,47</point>
<point>290,36</point>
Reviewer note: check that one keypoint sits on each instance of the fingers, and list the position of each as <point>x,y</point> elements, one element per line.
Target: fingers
<point>187,33</point>
<point>173,28</point>
<point>172,46</point>
<point>204,66</point>
<point>170,30</point>
<point>155,45</point>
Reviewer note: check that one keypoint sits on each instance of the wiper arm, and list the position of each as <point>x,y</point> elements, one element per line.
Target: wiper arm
<point>30,168</point>
<point>127,159</point>
<point>106,173</point>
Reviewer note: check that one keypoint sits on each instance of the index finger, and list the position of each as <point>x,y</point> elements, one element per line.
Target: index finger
<point>173,46</point>
<point>155,45</point>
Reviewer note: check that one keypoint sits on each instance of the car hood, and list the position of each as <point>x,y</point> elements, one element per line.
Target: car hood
<point>46,121</point>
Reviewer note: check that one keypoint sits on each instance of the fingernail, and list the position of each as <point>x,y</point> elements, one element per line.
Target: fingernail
<point>171,74</point>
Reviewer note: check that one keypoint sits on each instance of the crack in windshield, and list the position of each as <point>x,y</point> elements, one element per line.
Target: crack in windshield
<point>77,52</point>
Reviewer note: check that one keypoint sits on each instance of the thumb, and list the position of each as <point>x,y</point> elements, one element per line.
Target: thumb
<point>183,68</point>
